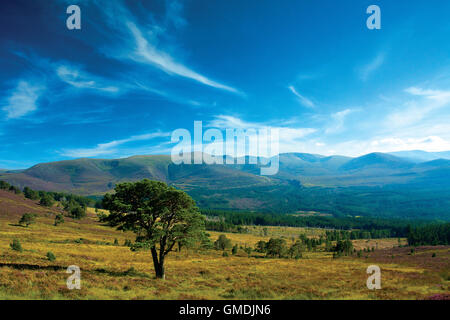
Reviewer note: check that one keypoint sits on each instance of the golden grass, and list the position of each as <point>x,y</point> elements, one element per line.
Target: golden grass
<point>193,275</point>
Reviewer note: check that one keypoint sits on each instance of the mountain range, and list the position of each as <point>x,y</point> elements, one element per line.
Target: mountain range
<point>302,182</point>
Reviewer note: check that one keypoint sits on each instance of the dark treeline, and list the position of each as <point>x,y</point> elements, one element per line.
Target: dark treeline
<point>336,235</point>
<point>361,227</point>
<point>418,232</point>
<point>394,201</point>
<point>433,234</point>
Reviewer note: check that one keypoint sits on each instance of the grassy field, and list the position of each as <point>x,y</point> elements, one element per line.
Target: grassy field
<point>111,271</point>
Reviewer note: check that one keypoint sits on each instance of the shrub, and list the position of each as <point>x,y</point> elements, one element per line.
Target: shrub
<point>225,254</point>
<point>295,251</point>
<point>75,210</point>
<point>127,243</point>
<point>222,243</point>
<point>27,219</point>
<point>433,255</point>
<point>59,219</point>
<point>261,246</point>
<point>140,245</point>
<point>46,200</point>
<point>102,216</point>
<point>16,246</point>
<point>206,243</point>
<point>116,242</point>
<point>51,256</point>
<point>344,247</point>
<point>15,190</point>
<point>4,185</point>
<point>276,248</point>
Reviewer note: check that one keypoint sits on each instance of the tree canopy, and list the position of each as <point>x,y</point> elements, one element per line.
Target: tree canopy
<point>27,219</point>
<point>160,215</point>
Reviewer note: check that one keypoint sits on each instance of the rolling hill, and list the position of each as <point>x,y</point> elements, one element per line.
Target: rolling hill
<point>376,183</point>
<point>421,156</point>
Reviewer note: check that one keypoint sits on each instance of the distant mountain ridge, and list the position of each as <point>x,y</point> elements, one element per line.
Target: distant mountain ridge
<point>95,176</point>
<point>304,182</point>
<point>421,156</point>
<point>377,160</point>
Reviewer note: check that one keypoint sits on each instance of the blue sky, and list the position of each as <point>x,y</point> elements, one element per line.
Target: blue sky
<point>137,70</point>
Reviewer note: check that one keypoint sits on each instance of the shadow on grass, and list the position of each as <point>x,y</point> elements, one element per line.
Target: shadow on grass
<point>17,225</point>
<point>130,272</point>
<point>24,266</point>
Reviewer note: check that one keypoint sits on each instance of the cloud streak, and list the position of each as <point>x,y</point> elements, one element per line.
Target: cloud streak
<point>366,71</point>
<point>338,119</point>
<point>418,109</point>
<point>79,79</point>
<point>145,52</point>
<point>145,44</point>
<point>23,99</point>
<point>301,99</point>
<point>291,139</point>
<point>110,148</point>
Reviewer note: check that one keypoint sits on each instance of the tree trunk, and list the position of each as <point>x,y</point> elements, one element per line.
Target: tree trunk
<point>159,265</point>
<point>162,272</point>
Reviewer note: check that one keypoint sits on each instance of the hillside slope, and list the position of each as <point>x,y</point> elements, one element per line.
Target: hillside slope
<point>13,206</point>
<point>376,184</point>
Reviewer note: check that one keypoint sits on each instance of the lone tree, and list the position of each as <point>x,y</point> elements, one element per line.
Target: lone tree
<point>161,216</point>
<point>27,219</point>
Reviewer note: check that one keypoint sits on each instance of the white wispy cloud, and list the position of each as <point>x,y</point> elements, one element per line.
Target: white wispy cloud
<point>338,120</point>
<point>23,99</point>
<point>110,148</point>
<point>232,122</point>
<point>146,45</point>
<point>366,71</point>
<point>145,52</point>
<point>302,99</point>
<point>78,78</point>
<point>359,147</point>
<point>415,110</point>
<point>75,76</point>
<point>430,144</point>
<point>443,97</point>
<point>291,139</point>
